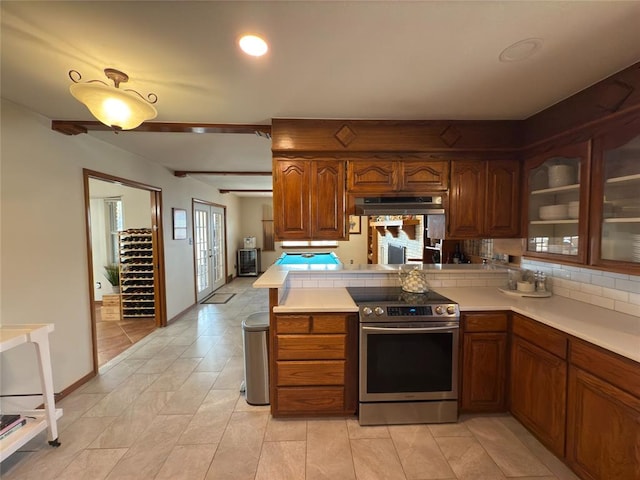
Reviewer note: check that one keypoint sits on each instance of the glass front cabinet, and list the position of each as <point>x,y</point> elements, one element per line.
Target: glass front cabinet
<point>583,201</point>
<point>615,205</point>
<point>557,187</point>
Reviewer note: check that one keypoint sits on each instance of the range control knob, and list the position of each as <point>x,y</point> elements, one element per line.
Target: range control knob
<point>378,311</point>
<point>439,310</point>
<point>451,309</point>
<point>366,311</point>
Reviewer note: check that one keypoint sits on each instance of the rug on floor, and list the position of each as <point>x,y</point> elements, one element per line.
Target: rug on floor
<point>219,298</point>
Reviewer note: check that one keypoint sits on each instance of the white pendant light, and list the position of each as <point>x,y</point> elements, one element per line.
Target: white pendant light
<point>121,109</point>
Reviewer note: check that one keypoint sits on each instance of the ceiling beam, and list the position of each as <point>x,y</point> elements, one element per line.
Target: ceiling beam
<point>231,190</point>
<point>184,173</point>
<point>75,127</point>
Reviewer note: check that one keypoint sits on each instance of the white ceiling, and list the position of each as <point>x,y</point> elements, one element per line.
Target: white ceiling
<point>327,59</point>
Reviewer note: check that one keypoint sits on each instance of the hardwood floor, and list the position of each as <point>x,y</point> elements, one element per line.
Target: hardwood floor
<point>114,337</point>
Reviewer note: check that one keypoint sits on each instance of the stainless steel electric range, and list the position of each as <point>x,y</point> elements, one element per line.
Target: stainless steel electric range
<point>408,361</point>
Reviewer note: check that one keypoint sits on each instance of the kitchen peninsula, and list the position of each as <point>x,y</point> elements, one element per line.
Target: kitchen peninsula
<point>562,367</point>
<point>303,288</point>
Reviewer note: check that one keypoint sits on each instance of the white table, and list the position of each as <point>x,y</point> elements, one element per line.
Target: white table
<point>37,420</point>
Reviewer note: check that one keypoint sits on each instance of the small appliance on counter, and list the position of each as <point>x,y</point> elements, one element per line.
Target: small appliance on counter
<point>249,242</point>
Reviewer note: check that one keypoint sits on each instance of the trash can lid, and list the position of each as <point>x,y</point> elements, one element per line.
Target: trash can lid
<point>256,322</point>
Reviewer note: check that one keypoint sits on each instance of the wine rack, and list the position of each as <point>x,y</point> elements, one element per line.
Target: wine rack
<point>137,273</point>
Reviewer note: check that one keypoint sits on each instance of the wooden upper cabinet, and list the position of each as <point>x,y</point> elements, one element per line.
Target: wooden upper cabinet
<point>615,198</point>
<point>503,198</point>
<point>291,199</point>
<point>397,176</point>
<point>484,199</point>
<point>327,200</point>
<point>419,176</point>
<point>308,199</point>
<point>372,177</point>
<point>467,198</point>
<point>556,202</point>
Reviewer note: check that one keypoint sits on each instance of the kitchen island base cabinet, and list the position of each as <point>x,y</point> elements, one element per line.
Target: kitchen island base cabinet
<point>314,364</point>
<point>538,381</point>
<point>484,362</point>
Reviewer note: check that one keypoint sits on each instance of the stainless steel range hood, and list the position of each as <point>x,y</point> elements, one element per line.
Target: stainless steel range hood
<point>425,205</point>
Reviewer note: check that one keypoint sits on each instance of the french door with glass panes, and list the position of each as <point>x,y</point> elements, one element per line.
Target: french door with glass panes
<point>209,244</point>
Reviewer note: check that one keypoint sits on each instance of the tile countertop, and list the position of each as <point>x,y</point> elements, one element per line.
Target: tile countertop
<point>614,331</point>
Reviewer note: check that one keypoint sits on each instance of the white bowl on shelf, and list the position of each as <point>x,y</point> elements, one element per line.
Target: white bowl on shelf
<point>561,175</point>
<point>573,209</point>
<point>554,212</point>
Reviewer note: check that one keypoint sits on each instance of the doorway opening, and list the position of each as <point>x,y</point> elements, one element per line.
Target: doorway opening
<point>125,261</point>
<point>209,247</point>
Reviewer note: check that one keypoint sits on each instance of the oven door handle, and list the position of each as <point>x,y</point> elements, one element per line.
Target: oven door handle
<point>410,330</point>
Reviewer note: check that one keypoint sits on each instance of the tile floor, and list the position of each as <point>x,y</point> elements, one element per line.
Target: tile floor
<point>170,408</point>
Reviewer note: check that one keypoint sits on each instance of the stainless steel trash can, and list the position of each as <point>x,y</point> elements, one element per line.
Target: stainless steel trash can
<point>255,338</point>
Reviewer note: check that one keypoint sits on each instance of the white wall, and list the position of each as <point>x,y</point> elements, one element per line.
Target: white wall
<point>43,253</point>
<point>254,210</point>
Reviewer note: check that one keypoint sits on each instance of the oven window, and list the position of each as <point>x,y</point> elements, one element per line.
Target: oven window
<point>412,362</point>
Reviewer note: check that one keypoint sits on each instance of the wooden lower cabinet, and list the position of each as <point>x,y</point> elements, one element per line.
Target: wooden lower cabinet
<point>484,362</point>
<point>314,364</point>
<point>538,383</point>
<point>603,420</point>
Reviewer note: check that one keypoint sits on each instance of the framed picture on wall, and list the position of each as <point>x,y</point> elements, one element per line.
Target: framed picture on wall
<point>354,225</point>
<point>179,223</point>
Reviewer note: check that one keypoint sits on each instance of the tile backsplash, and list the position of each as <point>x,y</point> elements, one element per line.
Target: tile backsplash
<point>439,279</point>
<point>614,291</point>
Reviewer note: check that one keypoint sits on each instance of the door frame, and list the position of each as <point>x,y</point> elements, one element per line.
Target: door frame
<point>195,201</point>
<point>158,251</point>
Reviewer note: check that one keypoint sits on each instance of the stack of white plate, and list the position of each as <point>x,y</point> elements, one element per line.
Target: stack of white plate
<point>635,252</point>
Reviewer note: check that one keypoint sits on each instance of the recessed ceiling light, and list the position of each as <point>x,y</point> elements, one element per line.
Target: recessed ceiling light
<point>253,45</point>
<point>521,50</point>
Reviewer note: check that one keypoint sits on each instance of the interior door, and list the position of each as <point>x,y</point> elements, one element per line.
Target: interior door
<point>209,244</point>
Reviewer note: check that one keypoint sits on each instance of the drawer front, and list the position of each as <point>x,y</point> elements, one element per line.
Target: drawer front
<point>622,372</point>
<point>293,324</point>
<point>310,400</point>
<point>545,337</point>
<point>485,322</point>
<point>310,347</point>
<point>310,373</point>
<point>329,324</point>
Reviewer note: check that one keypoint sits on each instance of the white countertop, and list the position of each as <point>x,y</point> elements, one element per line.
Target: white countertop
<point>316,300</point>
<point>276,275</point>
<point>617,332</point>
<point>612,330</point>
